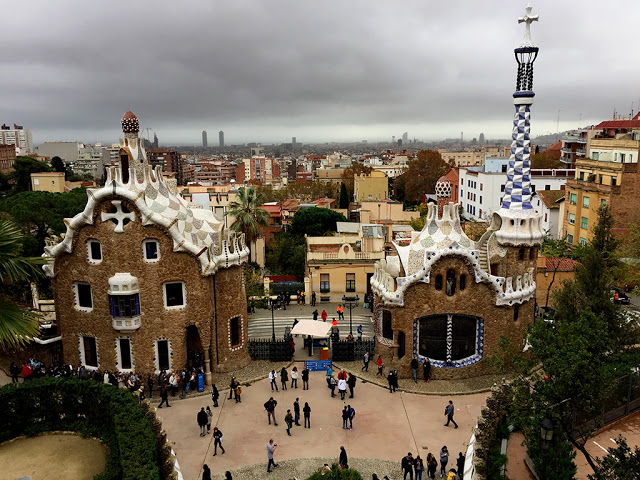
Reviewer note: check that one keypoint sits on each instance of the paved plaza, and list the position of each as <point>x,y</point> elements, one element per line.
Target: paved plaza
<point>386,426</point>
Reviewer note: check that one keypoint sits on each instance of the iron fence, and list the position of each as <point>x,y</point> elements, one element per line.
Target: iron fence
<point>274,351</point>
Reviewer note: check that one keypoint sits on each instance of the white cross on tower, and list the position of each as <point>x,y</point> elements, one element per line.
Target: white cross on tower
<point>527,20</point>
<point>120,216</point>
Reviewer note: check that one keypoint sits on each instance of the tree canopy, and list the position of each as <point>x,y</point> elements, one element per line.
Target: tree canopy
<point>315,221</point>
<point>349,173</point>
<point>422,174</point>
<point>249,217</point>
<point>544,160</point>
<point>23,167</point>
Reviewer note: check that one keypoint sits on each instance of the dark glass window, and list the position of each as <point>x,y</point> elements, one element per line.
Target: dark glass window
<point>463,282</point>
<point>174,294</point>
<point>84,295</point>
<point>124,305</point>
<point>387,331</point>
<point>451,282</point>
<point>125,353</point>
<point>516,312</point>
<point>351,282</point>
<point>438,282</point>
<point>151,250</point>
<point>90,352</point>
<point>463,343</point>
<point>433,337</point>
<point>401,344</point>
<point>95,250</point>
<point>235,330</point>
<point>325,287</point>
<point>521,254</point>
<point>163,354</point>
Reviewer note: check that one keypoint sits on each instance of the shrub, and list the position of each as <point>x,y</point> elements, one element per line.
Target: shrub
<point>337,473</point>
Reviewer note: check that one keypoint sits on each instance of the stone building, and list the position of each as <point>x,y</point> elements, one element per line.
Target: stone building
<point>144,282</point>
<point>449,299</point>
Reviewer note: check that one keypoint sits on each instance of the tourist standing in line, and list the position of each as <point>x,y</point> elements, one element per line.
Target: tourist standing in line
<point>271,448</point>
<point>209,418</point>
<point>380,365</point>
<point>444,459</point>
<point>288,419</point>
<point>294,377</point>
<point>215,395</point>
<point>217,440</point>
<point>448,412</point>
<point>201,419</point>
<point>460,465</point>
<point>270,407</point>
<point>414,369</point>
<point>407,465</point>
<point>164,397</point>
<point>206,472</point>
<point>342,388</point>
<point>284,378</point>
<point>419,467</point>
<point>365,361</point>
<point>426,369</point>
<point>273,379</point>
<point>306,410</point>
<point>352,384</point>
<point>173,383</point>
<point>305,379</point>
<point>344,461</point>
<point>296,411</point>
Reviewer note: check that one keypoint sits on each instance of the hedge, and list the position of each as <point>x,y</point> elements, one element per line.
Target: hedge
<point>90,408</point>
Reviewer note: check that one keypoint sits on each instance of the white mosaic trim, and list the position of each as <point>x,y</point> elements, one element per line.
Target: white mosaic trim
<point>241,344</point>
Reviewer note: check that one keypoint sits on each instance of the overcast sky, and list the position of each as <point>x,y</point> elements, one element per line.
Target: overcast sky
<point>267,70</point>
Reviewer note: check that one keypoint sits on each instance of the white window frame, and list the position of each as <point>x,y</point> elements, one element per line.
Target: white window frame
<point>82,352</point>
<point>76,296</point>
<point>184,296</point>
<point>89,255</point>
<point>156,356</point>
<point>144,250</point>
<point>232,347</point>
<point>119,355</point>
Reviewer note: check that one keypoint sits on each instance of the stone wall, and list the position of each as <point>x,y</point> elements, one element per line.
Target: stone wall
<point>477,299</point>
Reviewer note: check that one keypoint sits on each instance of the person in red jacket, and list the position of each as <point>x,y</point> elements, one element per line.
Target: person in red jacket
<point>379,362</point>
<point>26,370</point>
<point>324,315</point>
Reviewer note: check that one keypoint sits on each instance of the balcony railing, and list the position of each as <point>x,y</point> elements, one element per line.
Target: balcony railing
<point>574,139</point>
<point>126,323</point>
<point>351,256</point>
<point>566,150</point>
<point>581,151</point>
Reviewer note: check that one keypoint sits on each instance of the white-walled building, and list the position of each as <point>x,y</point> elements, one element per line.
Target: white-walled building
<point>550,205</point>
<point>482,188</point>
<point>19,137</point>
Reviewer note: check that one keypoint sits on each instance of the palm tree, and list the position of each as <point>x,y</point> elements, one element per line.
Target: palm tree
<point>17,325</point>
<point>249,217</point>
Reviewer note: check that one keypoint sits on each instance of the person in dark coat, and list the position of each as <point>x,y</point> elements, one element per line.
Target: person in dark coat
<point>352,384</point>
<point>284,378</point>
<point>306,410</point>
<point>305,379</point>
<point>217,440</point>
<point>460,465</point>
<point>206,472</point>
<point>426,369</point>
<point>164,396</point>
<point>215,395</point>
<point>407,465</point>
<point>344,462</point>
<point>201,419</point>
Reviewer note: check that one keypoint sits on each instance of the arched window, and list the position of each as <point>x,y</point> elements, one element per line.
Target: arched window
<point>463,282</point>
<point>521,254</point>
<point>438,282</point>
<point>387,330</point>
<point>451,282</point>
<point>450,338</point>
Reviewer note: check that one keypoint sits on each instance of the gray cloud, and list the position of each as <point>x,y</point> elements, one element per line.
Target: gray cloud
<point>269,70</point>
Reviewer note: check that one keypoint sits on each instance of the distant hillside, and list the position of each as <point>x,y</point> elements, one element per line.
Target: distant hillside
<point>546,140</point>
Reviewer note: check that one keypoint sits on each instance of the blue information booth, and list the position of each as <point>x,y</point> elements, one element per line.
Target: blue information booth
<point>317,365</point>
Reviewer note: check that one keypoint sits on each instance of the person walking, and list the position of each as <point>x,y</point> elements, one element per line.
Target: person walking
<point>284,378</point>
<point>448,412</point>
<point>306,410</point>
<point>419,467</point>
<point>460,465</point>
<point>432,466</point>
<point>270,407</point>
<point>271,449</point>
<point>407,465</point>
<point>392,382</point>
<point>296,411</point>
<point>324,315</point>
<point>344,461</point>
<point>288,419</point>
<point>340,311</point>
<point>206,472</point>
<point>273,379</point>
<point>164,397</point>
<point>365,362</point>
<point>294,377</point>
<point>342,388</point>
<point>315,314</point>
<point>345,418</point>
<point>209,418</point>
<point>14,370</point>
<point>332,385</point>
<point>351,382</point>
<point>217,441</point>
<point>380,365</point>
<point>426,369</point>
<point>305,379</point>
<point>352,414</point>
<point>201,419</point>
<point>414,369</point>
<point>215,394</point>
<point>444,459</point>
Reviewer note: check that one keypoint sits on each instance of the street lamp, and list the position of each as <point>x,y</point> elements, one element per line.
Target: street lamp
<point>547,425</point>
<point>350,303</point>
<point>273,325</point>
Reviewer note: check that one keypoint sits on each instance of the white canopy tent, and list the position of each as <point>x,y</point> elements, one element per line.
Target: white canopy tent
<point>313,328</point>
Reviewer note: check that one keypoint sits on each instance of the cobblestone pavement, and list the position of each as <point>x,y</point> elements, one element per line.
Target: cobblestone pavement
<point>386,427</point>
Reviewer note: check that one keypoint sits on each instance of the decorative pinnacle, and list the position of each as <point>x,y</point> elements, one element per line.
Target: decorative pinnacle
<point>527,20</point>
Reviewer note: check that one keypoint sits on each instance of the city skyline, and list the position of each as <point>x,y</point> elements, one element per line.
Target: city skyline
<point>433,72</point>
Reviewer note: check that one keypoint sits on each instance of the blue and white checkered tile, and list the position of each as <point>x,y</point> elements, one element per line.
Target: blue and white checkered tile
<point>518,187</point>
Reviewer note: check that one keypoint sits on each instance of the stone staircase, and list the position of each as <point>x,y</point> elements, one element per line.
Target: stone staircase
<point>483,257</point>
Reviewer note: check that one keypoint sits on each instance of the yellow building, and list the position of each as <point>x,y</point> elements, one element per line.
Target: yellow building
<point>383,211</point>
<point>373,186</point>
<point>47,182</point>
<point>343,264</point>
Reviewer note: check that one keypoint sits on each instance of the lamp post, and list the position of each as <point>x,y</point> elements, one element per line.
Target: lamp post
<point>350,303</point>
<point>547,425</point>
<point>273,324</point>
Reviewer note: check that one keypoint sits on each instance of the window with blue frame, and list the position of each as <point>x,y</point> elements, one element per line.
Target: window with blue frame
<point>124,305</point>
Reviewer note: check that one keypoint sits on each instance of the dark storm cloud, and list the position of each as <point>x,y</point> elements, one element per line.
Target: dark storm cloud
<point>267,70</point>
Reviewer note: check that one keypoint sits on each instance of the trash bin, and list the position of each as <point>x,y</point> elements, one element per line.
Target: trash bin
<point>201,382</point>
<point>324,353</point>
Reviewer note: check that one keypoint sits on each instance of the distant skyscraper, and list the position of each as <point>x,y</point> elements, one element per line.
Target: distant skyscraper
<point>155,141</point>
<point>462,136</point>
<point>293,141</point>
<point>482,139</point>
<point>393,139</point>
<point>405,137</point>
<point>221,138</point>
<point>204,139</point>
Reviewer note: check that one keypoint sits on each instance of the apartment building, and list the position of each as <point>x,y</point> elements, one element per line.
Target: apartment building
<point>372,186</point>
<point>7,157</point>
<point>17,136</point>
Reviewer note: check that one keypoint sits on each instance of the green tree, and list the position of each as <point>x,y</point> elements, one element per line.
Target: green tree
<point>58,165</point>
<point>17,324</point>
<point>249,217</point>
<point>399,186</point>
<point>422,174</point>
<point>23,167</point>
<point>544,160</point>
<point>555,250</point>
<point>621,463</point>
<point>315,221</point>
<point>286,254</point>
<point>344,196</point>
